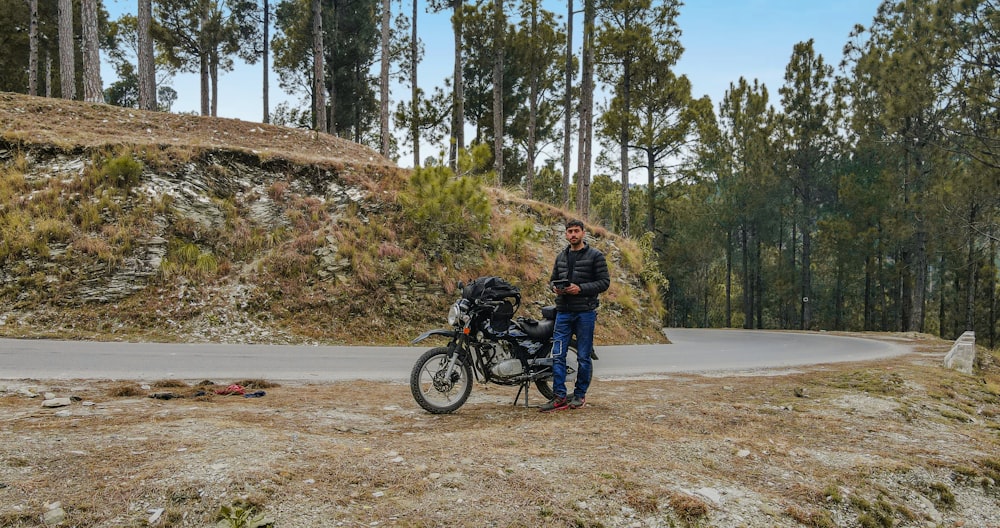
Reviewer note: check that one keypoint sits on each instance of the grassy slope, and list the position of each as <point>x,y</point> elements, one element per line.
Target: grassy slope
<point>84,188</point>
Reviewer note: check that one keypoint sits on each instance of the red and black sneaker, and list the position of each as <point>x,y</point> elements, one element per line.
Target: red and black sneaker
<point>577,402</point>
<point>555,404</point>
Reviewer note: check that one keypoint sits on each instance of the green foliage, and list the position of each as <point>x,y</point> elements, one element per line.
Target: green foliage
<point>121,172</point>
<point>650,271</point>
<point>187,259</point>
<point>878,515</point>
<point>241,515</point>
<point>476,161</point>
<point>941,496</point>
<point>517,237</point>
<point>443,208</point>
<point>15,233</point>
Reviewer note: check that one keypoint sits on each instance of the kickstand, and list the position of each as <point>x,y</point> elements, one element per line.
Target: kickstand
<point>524,389</point>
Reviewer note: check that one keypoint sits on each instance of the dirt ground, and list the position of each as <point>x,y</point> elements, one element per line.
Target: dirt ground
<point>900,442</point>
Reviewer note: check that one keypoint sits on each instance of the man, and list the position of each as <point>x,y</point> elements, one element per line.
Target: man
<point>578,276</point>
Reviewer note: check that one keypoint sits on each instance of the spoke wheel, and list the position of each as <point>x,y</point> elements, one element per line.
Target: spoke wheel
<point>433,388</point>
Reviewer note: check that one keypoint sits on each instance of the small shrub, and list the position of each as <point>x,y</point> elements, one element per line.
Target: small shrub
<point>688,508</point>
<point>52,230</point>
<point>169,383</point>
<point>276,191</point>
<point>444,208</point>
<point>644,503</point>
<point>241,515</point>
<point>123,171</point>
<point>878,515</point>
<point>125,390</point>
<point>87,216</point>
<point>187,259</point>
<point>832,492</point>
<point>94,246</point>
<point>816,519</point>
<point>288,263</point>
<point>257,384</point>
<point>15,233</point>
<point>521,233</point>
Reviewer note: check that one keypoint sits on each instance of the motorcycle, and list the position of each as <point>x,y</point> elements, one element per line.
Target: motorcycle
<point>485,341</point>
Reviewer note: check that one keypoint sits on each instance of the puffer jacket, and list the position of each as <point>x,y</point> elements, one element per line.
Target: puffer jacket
<point>590,273</point>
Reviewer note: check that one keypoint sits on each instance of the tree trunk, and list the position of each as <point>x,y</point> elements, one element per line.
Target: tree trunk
<point>319,86</point>
<point>332,126</point>
<point>67,53</point>
<point>586,112</point>
<point>747,284</point>
<point>869,271</point>
<point>651,190</point>
<point>384,80</point>
<point>624,139</point>
<point>414,90</point>
<point>729,278</point>
<point>33,48</point>
<point>568,106</point>
<point>48,74</point>
<point>919,291</point>
<point>266,62</point>
<point>943,329</point>
<point>793,266</point>
<point>970,297</point>
<point>529,177</point>
<point>994,258</point>
<point>883,283</point>
<point>458,92</point>
<point>806,319</point>
<point>147,70</point>
<point>758,282</point>
<point>92,89</point>
<point>498,43</point>
<point>204,62</point>
<point>213,72</point>
<point>838,298</point>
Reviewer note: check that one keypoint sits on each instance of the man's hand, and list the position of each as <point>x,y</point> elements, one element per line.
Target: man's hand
<point>572,289</point>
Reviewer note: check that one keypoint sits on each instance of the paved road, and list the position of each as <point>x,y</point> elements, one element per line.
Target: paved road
<point>692,350</point>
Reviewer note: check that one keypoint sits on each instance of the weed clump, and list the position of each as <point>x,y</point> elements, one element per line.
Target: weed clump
<point>125,390</point>
<point>689,509</point>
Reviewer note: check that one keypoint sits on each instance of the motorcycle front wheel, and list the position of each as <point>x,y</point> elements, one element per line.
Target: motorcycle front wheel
<point>433,389</point>
<point>544,385</point>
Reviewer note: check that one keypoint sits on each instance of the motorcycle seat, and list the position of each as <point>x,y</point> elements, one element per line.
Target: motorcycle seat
<point>538,330</point>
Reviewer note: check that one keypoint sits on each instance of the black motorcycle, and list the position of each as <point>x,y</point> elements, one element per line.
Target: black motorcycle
<point>484,339</point>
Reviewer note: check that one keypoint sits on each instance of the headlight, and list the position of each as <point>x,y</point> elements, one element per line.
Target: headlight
<point>456,312</point>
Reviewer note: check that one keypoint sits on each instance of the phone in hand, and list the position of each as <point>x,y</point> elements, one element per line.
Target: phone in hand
<point>560,284</point>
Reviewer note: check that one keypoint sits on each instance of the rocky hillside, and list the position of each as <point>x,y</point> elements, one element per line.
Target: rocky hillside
<point>122,224</point>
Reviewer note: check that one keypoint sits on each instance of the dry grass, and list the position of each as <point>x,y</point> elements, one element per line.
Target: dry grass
<point>643,452</point>
<point>166,136</point>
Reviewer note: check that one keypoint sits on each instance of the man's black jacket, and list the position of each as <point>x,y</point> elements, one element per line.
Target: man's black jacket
<point>590,273</point>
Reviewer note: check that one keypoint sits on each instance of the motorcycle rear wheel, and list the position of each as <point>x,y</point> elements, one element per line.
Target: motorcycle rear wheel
<point>429,386</point>
<point>544,385</point>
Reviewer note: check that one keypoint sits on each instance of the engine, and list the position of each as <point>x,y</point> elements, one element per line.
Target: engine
<point>504,364</point>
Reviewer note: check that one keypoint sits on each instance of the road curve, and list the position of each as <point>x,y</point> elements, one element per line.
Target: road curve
<point>691,350</point>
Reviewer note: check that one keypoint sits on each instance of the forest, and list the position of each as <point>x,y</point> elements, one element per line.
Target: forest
<point>863,194</point>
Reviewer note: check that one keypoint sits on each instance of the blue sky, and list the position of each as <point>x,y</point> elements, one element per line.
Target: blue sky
<point>723,40</point>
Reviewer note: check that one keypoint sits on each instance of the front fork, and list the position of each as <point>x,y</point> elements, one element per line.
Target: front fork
<point>457,346</point>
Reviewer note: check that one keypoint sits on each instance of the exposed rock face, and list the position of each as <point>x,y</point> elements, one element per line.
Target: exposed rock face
<point>198,194</point>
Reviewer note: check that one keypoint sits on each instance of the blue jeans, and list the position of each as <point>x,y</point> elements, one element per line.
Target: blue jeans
<point>567,324</point>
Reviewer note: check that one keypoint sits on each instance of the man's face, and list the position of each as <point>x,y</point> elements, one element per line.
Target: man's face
<point>574,235</point>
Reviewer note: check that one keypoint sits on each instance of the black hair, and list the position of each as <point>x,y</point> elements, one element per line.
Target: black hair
<point>576,223</point>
